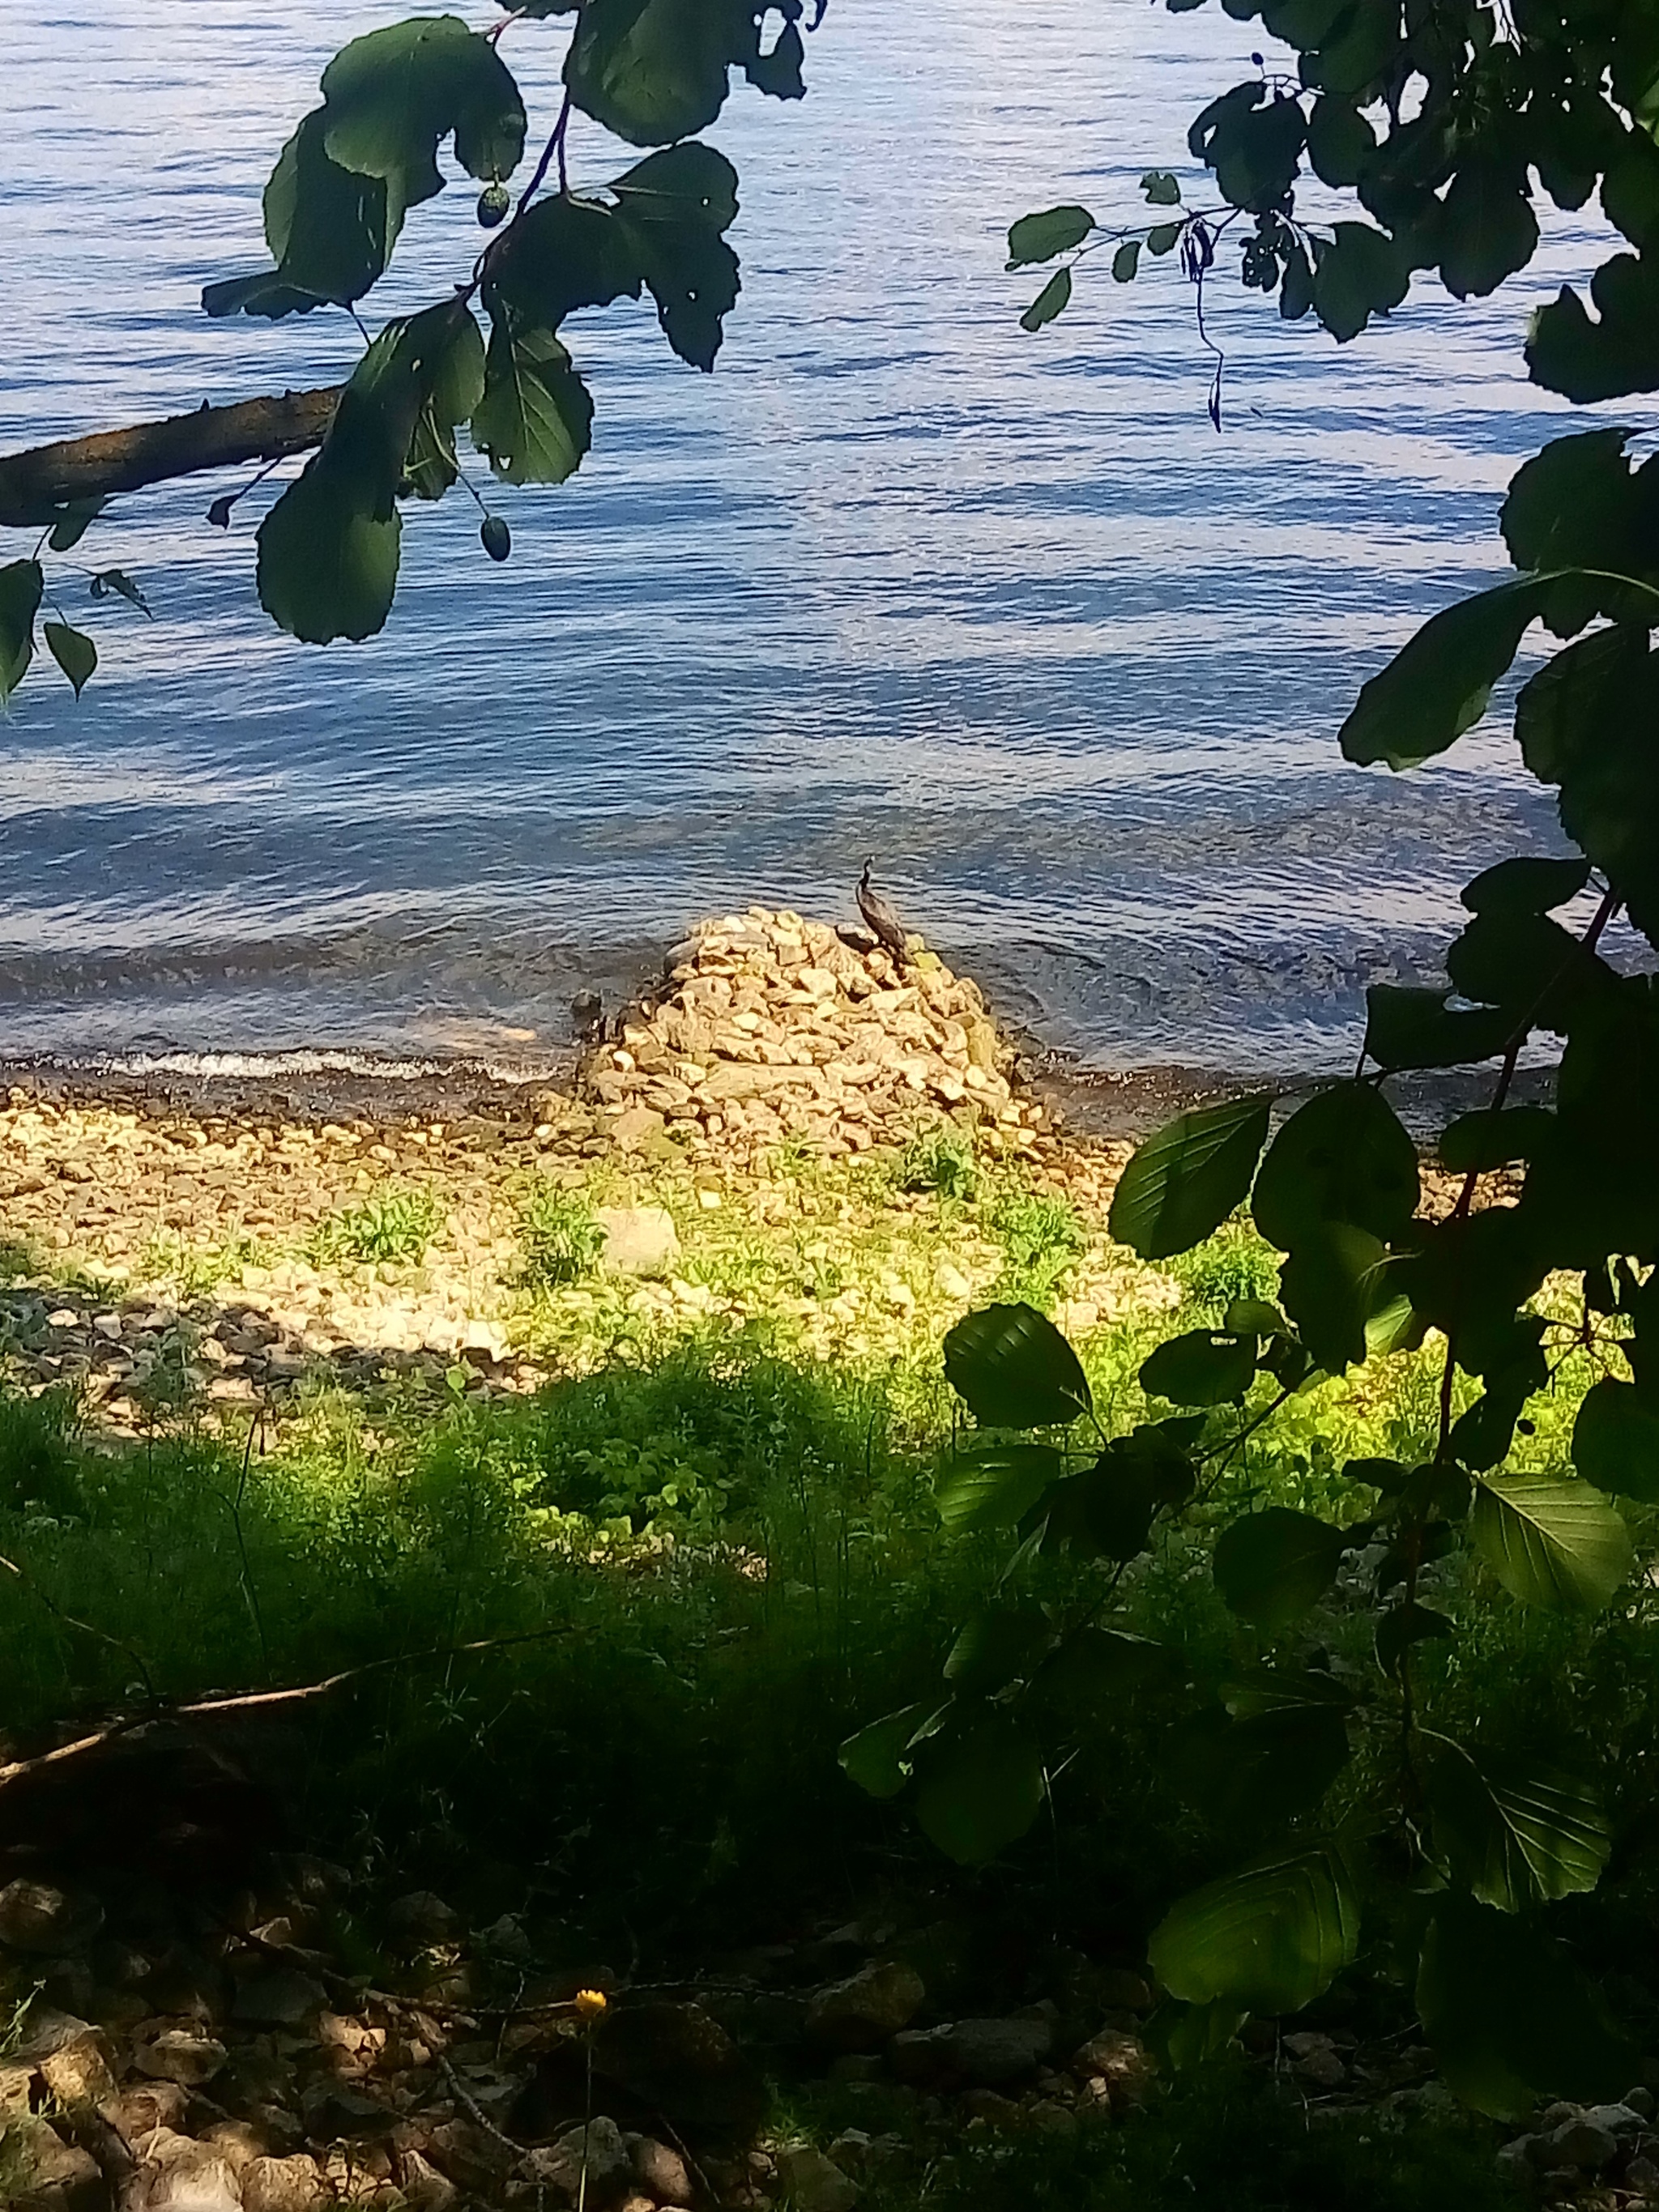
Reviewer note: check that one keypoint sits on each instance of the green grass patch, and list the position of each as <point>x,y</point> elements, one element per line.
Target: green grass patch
<point>390,1226</point>
<point>560,1238</point>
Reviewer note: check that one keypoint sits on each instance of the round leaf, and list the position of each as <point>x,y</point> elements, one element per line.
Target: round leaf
<point>1202,1368</point>
<point>1616,1441</point>
<point>1184,1181</point>
<point>1036,238</point>
<point>1271,1939</point>
<point>1015,1368</point>
<point>1516,1836</point>
<point>1551,1542</point>
<point>875,1758</point>
<point>979,1792</point>
<point>1510,2019</point>
<point>995,1486</point>
<point>1271,1567</point>
<point>1345,1157</point>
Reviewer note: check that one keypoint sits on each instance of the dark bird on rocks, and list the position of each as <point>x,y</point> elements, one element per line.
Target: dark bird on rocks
<point>879,917</point>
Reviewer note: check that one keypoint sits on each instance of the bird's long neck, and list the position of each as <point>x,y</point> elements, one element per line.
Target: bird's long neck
<point>864,880</point>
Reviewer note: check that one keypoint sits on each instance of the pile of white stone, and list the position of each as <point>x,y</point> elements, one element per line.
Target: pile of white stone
<point>771,1028</point>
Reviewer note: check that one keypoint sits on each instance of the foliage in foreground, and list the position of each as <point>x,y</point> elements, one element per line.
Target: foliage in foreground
<point>1377,1821</point>
<point>335,208</point>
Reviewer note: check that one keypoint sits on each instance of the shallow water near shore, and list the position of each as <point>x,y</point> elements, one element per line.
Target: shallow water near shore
<point>896,579</point>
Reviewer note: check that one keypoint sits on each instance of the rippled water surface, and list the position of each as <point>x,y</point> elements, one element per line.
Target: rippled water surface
<point>1004,612</point>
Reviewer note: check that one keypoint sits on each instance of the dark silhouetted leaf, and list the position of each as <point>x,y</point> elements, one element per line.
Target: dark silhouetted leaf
<point>1616,1441</point>
<point>1162,188</point>
<point>672,209</point>
<point>1272,1567</point>
<point>1343,1157</point>
<point>1493,1137</point>
<point>979,1790</point>
<point>1489,230</point>
<point>875,1758</point>
<point>1510,2019</point>
<point>1439,684</point>
<point>1361,273</point>
<point>1036,238</point>
<point>1201,1368</point>
<point>997,1643</point>
<point>1405,1027</point>
<point>1050,301</point>
<point>1015,1368</point>
<point>21,585</point>
<point>1184,1181</point>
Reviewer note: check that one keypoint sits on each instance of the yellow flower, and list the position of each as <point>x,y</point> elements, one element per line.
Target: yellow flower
<point>590,2003</point>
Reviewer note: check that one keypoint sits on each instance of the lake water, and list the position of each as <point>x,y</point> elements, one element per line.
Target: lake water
<point>1004,612</point>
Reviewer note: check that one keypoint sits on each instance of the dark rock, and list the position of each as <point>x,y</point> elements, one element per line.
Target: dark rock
<point>862,2011</point>
<point>986,2054</point>
<point>661,2171</point>
<point>676,2059</point>
<point>282,1999</point>
<point>589,2161</point>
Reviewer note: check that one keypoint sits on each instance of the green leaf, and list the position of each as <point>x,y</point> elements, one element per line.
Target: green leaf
<point>1096,1670</point>
<point>1616,1441</point>
<point>328,558</point>
<point>1526,886</point>
<point>563,254</point>
<point>1125,261</point>
<point>1403,1626</point>
<point>1272,1567</point>
<point>1270,1939</point>
<point>1108,1510</point>
<point>1162,188</point>
<point>1511,2019</point>
<point>999,1642</point>
<point>1343,1157</point>
<point>1202,1368</point>
<point>328,548</point>
<point>390,97</point>
<point>1361,273</point>
<point>331,231</point>
<point>1550,1542</point>
<point>72,523</point>
<point>1201,2034</point>
<point>672,209</point>
<point>1334,1283</point>
<point>979,1791</point>
<point>1574,504</point>
<point>1184,1181</point>
<point>1339,141</point>
<point>74,651</point>
<point>875,1758</point>
<point>458,388</point>
<point>1272,1763</point>
<point>21,584</point>
<point>1256,152</point>
<point>655,71</point>
<point>534,422</point>
<point>1405,1027</point>
<point>1536,971</point>
<point>1164,237</point>
<point>1516,1836</point>
<point>1050,301</point>
<point>1489,231</point>
<point>995,1486</point>
<point>263,292</point>
<point>1439,684</point>
<point>1036,238</point>
<point>1015,1370</point>
<point>1493,1137</point>
<point>781,72</point>
<point>1607,355</point>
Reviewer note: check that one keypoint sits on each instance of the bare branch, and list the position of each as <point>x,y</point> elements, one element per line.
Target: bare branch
<point>33,483</point>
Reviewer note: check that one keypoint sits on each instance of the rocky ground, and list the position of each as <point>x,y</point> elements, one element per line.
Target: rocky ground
<point>733,1139</point>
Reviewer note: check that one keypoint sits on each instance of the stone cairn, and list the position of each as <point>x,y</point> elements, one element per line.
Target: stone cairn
<point>769,1029</point>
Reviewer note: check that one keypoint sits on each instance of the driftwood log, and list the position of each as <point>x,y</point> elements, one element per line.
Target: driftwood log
<point>73,470</point>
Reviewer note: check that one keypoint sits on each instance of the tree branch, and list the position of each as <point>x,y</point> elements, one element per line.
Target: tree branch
<point>33,483</point>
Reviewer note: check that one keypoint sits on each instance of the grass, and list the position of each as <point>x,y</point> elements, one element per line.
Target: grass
<point>394,1227</point>
<point>560,1237</point>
